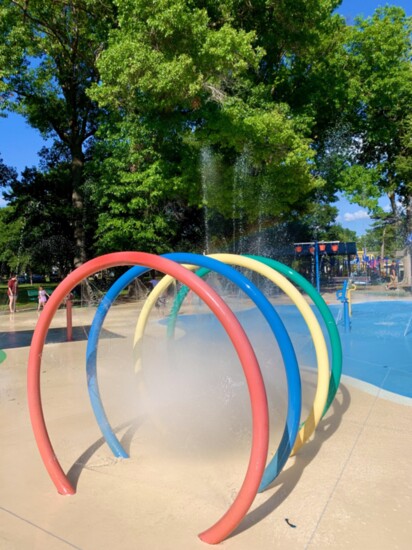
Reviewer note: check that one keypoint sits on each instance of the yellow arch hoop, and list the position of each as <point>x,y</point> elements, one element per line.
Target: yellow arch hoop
<point>151,300</point>
<point>322,388</point>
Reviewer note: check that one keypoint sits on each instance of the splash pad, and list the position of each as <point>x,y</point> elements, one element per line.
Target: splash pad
<point>255,476</point>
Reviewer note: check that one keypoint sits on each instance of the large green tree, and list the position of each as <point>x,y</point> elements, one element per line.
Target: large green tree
<point>246,108</point>
<point>9,231</point>
<point>378,56</point>
<point>376,161</point>
<point>10,236</point>
<point>48,53</point>
<point>39,203</point>
<point>194,76</point>
<point>137,184</point>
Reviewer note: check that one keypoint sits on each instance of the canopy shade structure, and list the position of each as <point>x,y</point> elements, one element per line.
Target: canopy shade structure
<point>331,248</point>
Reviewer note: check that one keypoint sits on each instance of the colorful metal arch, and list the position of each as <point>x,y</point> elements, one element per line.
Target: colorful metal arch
<point>260,420</point>
<point>315,415</point>
<point>276,324</point>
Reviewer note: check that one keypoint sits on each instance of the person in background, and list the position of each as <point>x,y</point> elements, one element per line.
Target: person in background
<point>12,288</point>
<point>393,276</point>
<point>43,297</point>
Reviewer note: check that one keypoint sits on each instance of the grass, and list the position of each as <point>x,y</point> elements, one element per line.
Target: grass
<point>23,301</point>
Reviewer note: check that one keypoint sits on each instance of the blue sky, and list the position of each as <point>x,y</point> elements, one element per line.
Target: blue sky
<point>351,8</point>
<point>19,144</point>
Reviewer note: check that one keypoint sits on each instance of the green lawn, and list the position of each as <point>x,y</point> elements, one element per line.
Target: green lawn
<point>25,299</point>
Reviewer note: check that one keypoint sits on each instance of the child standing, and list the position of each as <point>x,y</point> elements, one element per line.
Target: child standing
<point>12,287</point>
<point>43,296</point>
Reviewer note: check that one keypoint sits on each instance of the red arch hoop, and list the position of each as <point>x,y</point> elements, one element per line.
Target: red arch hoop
<point>260,418</point>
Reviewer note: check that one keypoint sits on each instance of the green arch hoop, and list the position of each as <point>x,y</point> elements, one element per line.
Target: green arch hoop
<point>335,342</point>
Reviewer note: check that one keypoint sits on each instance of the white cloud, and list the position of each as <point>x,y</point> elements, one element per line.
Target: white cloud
<point>356,216</point>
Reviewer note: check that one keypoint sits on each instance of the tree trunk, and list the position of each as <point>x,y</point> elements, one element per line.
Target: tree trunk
<point>407,279</point>
<point>77,201</point>
<point>407,260</point>
<point>383,243</point>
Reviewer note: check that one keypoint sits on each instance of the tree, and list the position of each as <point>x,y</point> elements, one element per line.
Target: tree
<point>7,174</point>
<point>301,67</point>
<point>379,53</point>
<point>135,180</point>
<point>183,76</point>
<point>48,53</point>
<point>39,202</point>
<point>10,234</point>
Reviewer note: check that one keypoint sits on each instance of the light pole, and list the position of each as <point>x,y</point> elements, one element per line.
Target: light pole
<point>317,274</point>
<point>314,254</point>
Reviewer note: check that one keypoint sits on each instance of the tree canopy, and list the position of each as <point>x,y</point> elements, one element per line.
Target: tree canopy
<point>48,53</point>
<point>172,114</point>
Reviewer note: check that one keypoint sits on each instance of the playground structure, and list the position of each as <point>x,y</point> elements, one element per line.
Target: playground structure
<point>258,475</point>
<point>322,255</point>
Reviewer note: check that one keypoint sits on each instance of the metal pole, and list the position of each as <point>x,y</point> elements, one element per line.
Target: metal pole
<point>317,266</point>
<point>69,319</point>
<point>346,316</point>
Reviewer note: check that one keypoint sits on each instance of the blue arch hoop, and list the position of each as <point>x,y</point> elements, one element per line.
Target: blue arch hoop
<point>336,347</point>
<point>282,454</point>
<point>281,335</point>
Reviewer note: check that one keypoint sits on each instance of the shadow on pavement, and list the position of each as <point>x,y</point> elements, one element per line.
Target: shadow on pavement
<point>22,338</point>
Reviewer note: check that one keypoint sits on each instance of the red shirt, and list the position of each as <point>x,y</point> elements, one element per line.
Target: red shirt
<point>12,286</point>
